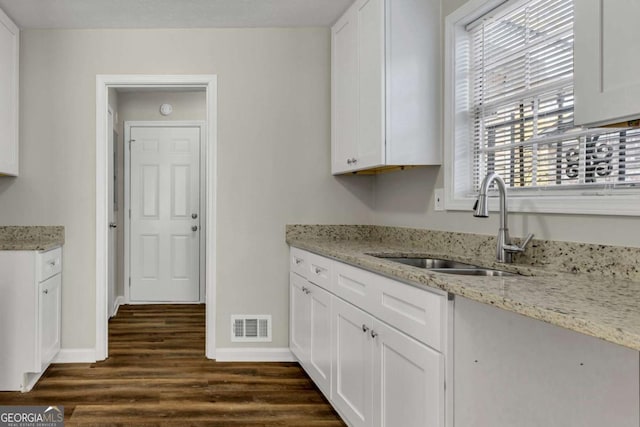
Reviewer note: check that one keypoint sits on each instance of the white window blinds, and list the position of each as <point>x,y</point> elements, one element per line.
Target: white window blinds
<point>521,68</point>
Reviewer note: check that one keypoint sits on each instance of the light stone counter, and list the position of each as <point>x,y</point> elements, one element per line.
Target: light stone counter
<point>31,238</point>
<point>556,281</point>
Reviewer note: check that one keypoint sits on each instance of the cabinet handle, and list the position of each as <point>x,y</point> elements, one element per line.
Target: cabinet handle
<point>365,328</point>
<point>373,334</point>
<point>46,291</point>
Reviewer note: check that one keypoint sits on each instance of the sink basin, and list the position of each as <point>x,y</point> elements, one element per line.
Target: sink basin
<point>478,271</point>
<point>429,263</point>
<point>446,266</point>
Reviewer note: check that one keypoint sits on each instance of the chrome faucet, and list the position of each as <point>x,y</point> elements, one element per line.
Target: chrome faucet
<point>504,249</point>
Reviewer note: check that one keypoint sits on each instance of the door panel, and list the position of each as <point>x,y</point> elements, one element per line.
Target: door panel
<point>351,385</point>
<point>320,346</point>
<point>165,189</point>
<point>410,377</point>
<point>299,321</point>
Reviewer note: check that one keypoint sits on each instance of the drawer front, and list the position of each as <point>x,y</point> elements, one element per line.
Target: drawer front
<point>319,270</point>
<point>298,261</point>
<point>48,263</point>
<point>416,312</point>
<point>355,285</point>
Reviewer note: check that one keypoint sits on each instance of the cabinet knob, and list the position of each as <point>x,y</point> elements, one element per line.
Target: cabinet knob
<point>318,270</point>
<point>348,161</point>
<point>354,161</point>
<point>298,261</point>
<point>113,225</point>
<point>46,291</point>
<point>194,228</point>
<point>373,334</point>
<point>365,328</point>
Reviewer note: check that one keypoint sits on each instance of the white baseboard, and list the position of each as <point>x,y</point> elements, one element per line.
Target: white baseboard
<point>244,354</point>
<point>76,355</point>
<point>116,305</point>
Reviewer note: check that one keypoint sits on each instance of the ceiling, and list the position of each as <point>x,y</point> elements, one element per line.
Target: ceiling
<point>83,14</point>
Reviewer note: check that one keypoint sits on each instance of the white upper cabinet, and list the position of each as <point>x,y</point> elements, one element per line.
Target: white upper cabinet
<point>606,61</point>
<point>9,44</point>
<point>385,86</point>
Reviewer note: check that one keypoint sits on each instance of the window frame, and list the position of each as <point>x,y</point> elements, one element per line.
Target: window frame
<point>458,159</point>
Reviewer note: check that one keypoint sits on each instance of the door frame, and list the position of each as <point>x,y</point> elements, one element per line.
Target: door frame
<point>103,83</point>
<point>127,198</point>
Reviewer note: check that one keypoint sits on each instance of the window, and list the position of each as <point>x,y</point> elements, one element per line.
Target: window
<point>510,111</point>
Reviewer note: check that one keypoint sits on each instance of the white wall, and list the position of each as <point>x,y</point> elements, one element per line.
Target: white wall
<point>273,153</point>
<point>406,199</point>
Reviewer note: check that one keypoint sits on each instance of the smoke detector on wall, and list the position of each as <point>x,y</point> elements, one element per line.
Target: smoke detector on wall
<point>166,109</point>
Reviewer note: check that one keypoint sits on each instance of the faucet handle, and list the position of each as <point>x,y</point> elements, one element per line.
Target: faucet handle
<point>519,248</point>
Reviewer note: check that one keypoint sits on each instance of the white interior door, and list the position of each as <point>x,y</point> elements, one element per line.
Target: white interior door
<point>113,237</point>
<point>165,214</point>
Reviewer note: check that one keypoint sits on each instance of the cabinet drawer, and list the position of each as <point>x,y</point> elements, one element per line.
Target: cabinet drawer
<point>48,263</point>
<point>298,261</point>
<point>414,311</point>
<point>355,285</point>
<point>318,270</point>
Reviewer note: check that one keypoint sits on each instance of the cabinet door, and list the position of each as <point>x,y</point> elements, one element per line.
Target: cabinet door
<point>344,92</point>
<point>351,382</point>
<point>299,322</point>
<point>9,44</point>
<point>607,82</point>
<point>409,381</point>
<point>371,84</point>
<point>49,310</point>
<point>319,366</point>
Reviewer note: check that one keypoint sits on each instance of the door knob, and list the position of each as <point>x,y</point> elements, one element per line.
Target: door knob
<point>194,228</point>
<point>113,225</point>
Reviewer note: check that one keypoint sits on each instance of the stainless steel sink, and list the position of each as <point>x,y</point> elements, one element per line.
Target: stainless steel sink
<point>446,266</point>
<point>429,263</point>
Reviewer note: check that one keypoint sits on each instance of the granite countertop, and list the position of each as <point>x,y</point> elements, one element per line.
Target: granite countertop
<point>605,307</point>
<point>31,238</point>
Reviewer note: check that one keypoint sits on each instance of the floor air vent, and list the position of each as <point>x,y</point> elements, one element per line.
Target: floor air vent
<point>249,328</point>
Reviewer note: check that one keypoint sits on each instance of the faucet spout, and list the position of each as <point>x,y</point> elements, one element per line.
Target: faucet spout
<point>504,248</point>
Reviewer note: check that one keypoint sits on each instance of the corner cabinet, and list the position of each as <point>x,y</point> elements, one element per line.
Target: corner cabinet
<point>607,82</point>
<point>385,86</point>
<point>511,370</point>
<point>9,45</point>
<point>371,344</point>
<point>31,287</point>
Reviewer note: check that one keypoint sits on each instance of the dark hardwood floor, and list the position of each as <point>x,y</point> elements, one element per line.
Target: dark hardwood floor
<point>156,374</point>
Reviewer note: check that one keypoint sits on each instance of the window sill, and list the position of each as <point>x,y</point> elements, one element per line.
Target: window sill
<point>604,204</point>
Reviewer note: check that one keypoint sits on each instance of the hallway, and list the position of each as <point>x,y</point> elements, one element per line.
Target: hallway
<point>157,375</point>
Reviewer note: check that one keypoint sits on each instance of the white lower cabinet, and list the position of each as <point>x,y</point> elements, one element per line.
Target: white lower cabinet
<point>310,334</point>
<point>514,371</point>
<point>371,371</point>
<point>352,381</point>
<point>31,289</point>
<point>381,376</point>
<point>408,381</point>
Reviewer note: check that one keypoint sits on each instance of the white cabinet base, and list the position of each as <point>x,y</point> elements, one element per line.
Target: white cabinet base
<point>510,371</point>
<point>30,285</point>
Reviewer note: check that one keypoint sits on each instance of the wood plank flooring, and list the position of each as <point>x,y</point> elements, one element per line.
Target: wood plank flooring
<point>157,375</point>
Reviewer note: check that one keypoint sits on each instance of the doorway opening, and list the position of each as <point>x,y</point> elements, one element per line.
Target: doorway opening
<point>191,170</point>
